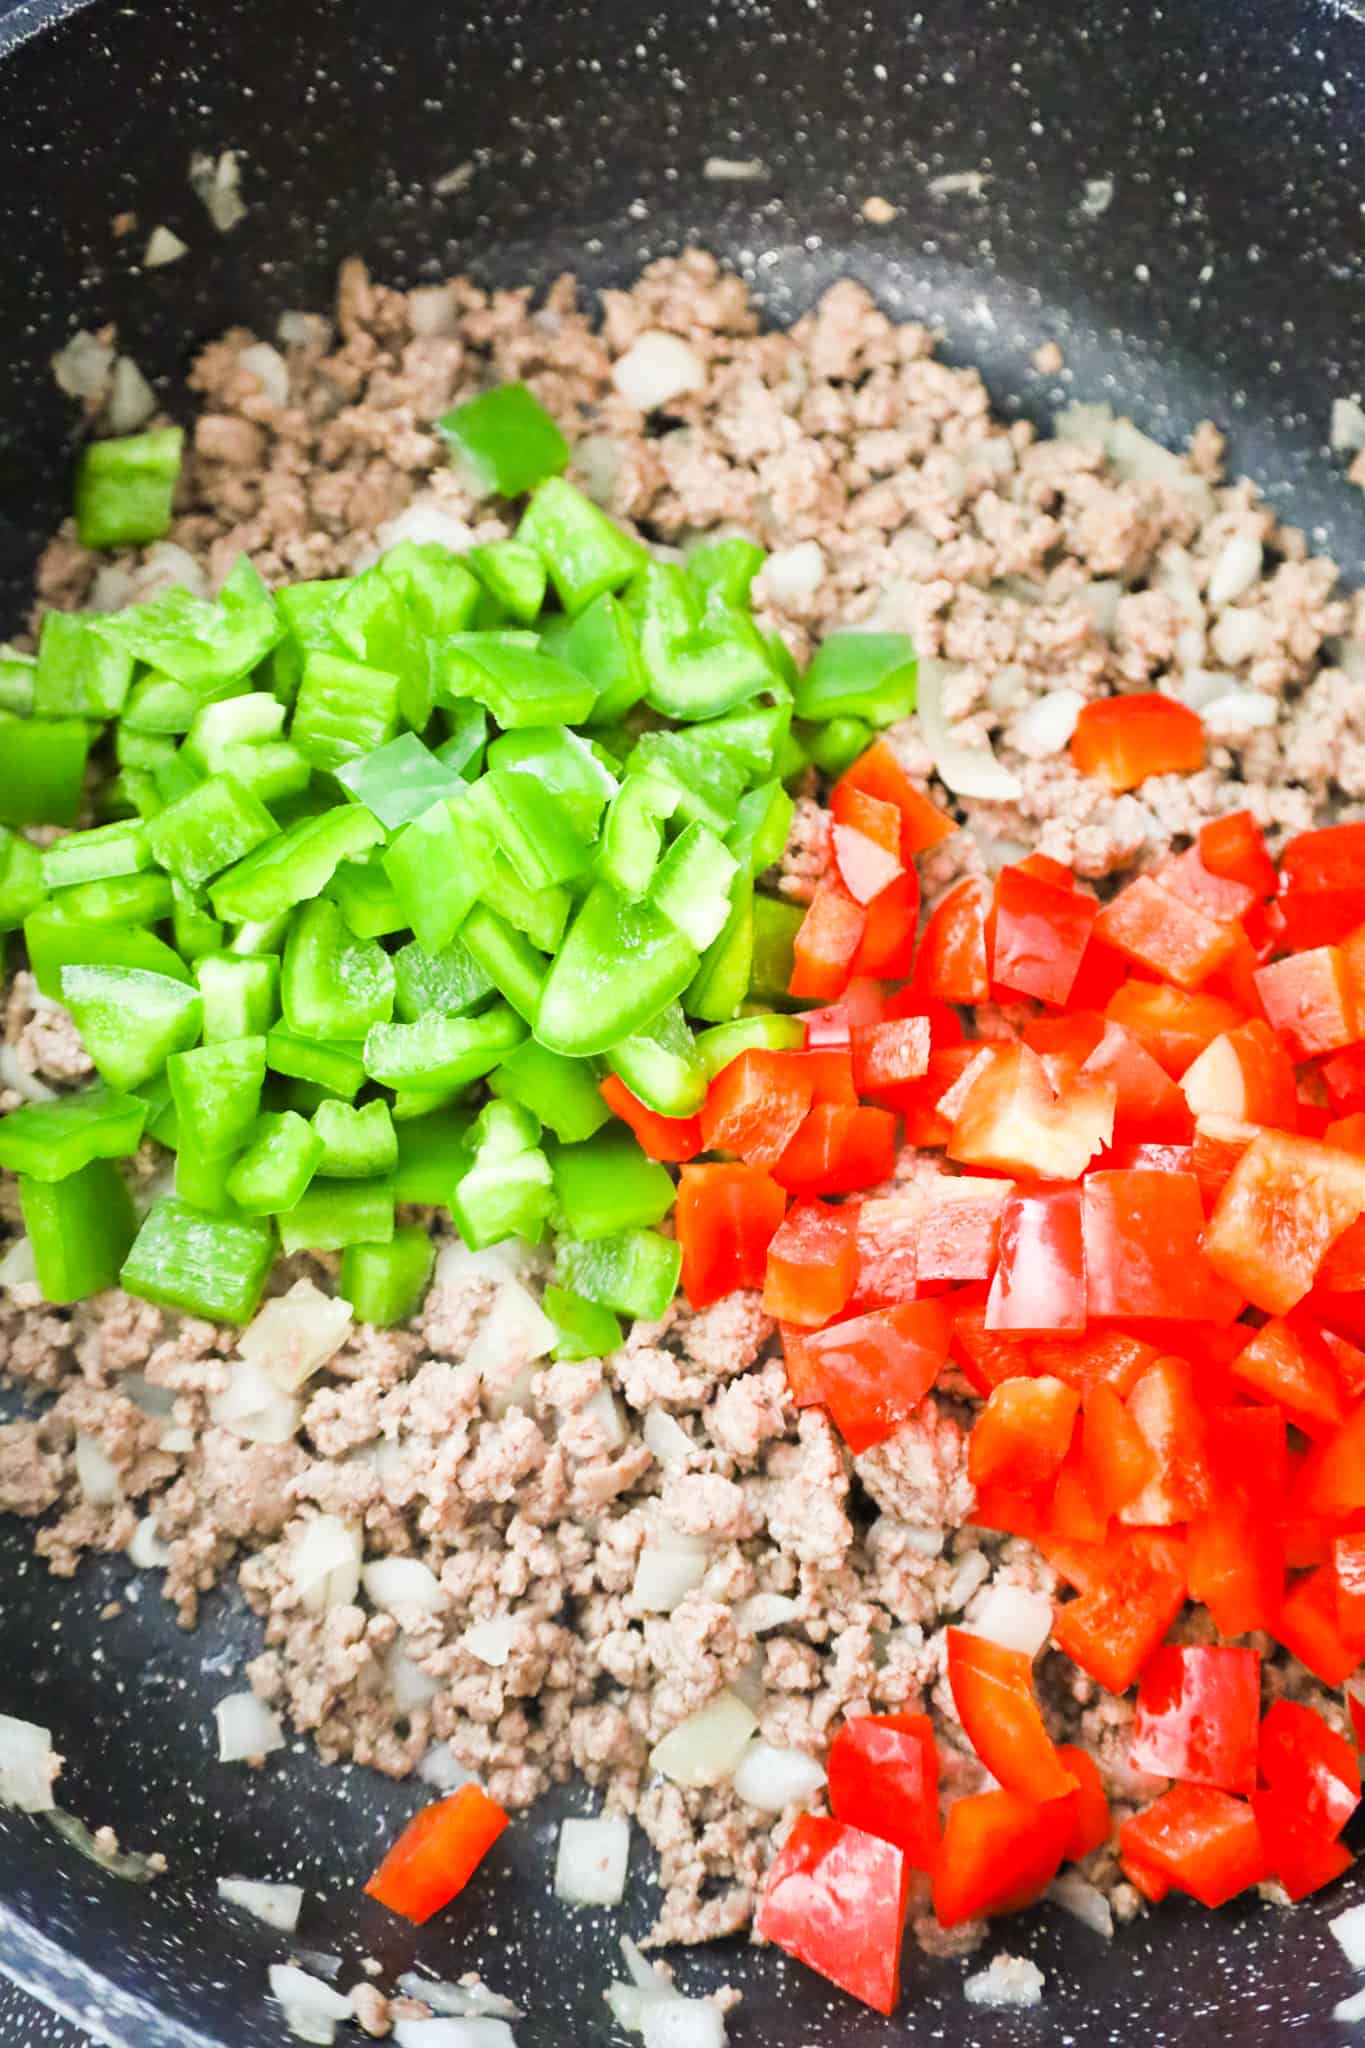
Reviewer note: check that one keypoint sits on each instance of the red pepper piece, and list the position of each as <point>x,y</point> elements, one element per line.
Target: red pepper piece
<point>838,1150</point>
<point>866,837</point>
<point>1136,1589</point>
<point>1331,1485</point>
<point>1159,931</point>
<point>1307,1627</point>
<point>878,773</point>
<point>756,1105</point>
<point>1223,898</point>
<point>670,1138</point>
<point>724,1221</point>
<point>1022,1435</point>
<point>1102,973</point>
<point>1310,1000</point>
<point>1123,740</point>
<point>1039,1282</point>
<point>1174,1025</point>
<point>951,963</point>
<point>1148,1104</point>
<point>1322,885</point>
<point>891,920</point>
<point>832,1028</point>
<point>1285,1201</point>
<point>887,1055</point>
<point>1347,1133</point>
<point>1166,1410</point>
<point>917,1102</point>
<point>1301,1757</point>
<point>998,1854</point>
<point>437,1854</point>
<point>874,1370</point>
<point>829,1071</point>
<point>883,1778</point>
<point>1348,1569</point>
<point>1007,1117</point>
<point>887,1239</point>
<point>993,1692</point>
<point>1344,1078</point>
<point>1112,1358</point>
<point>1143,1236</point>
<point>1074,1515</point>
<point>959,1230</point>
<point>1286,1364</point>
<point>945,1026</point>
<point>1093,1823</point>
<point>1298,1854</point>
<point>1039,935</point>
<point>1200,1840</point>
<point>1196,1716</point>
<point>1118,1461</point>
<point>1235,1551</point>
<point>987,1357</point>
<point>826,943</point>
<point>1245,1074</point>
<point>1234,847</point>
<point>812,1264</point>
<point>835,1898</point>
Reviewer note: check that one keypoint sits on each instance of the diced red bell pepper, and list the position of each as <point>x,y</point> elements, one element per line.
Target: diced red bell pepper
<point>1102,973</point>
<point>1235,1561</point>
<point>1174,1025</point>
<point>724,1221</point>
<point>878,773</point>
<point>1123,740</point>
<point>1285,1201</point>
<point>1322,885</point>
<point>917,1102</point>
<point>1347,1133</point>
<point>993,1692</point>
<point>1286,1364</point>
<point>1221,897</point>
<point>1093,1824</point>
<point>1298,1854</point>
<point>1235,977</point>
<point>1148,1105</point>
<point>987,1357</point>
<point>1118,1460</point>
<point>437,1854</point>
<point>756,1105</point>
<point>1310,1001</point>
<point>1344,1078</point>
<point>829,1071</point>
<point>998,1854</point>
<point>812,1264</point>
<point>1201,1840</point>
<point>1307,1627</point>
<point>1064,1043</point>
<point>1219,1142</point>
<point>1039,935</point>
<point>1113,1358</point>
<point>1246,1074</point>
<point>1151,1158</point>
<point>835,1898</point>
<point>1074,1515</point>
<point>1047,870</point>
<point>1332,1483</point>
<point>801,1381</point>
<point>1009,1119</point>
<point>1234,847</point>
<point>1021,1436</point>
<point>890,922</point>
<point>1165,1408</point>
<point>888,1054</point>
<point>959,1229</point>
<point>1136,1588</point>
<point>1349,1360</point>
<point>831,1029</point>
<point>951,963</point>
<point>826,943</point>
<point>867,844</point>
<point>1343,1268</point>
<point>883,1778</point>
<point>875,1369</point>
<point>1143,1235</point>
<point>838,1150</point>
<point>887,1242</point>
<point>1039,1282</point>
<point>1161,932</point>
<point>945,1026</point>
<point>670,1138</point>
<point>1152,1885</point>
<point>1311,1764</point>
<point>1348,1569</point>
<point>1197,1714</point>
<point>1265,929</point>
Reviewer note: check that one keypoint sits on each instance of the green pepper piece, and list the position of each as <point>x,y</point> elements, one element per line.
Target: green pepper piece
<point>367,899</point>
<point>585,552</point>
<point>162,1122</point>
<point>195,932</point>
<point>533,827</point>
<point>750,739</point>
<point>507,955</point>
<point>80,672</point>
<point>207,1266</point>
<point>273,770</point>
<point>506,1189</point>
<point>400,780</point>
<point>209,648</point>
<point>608,1185</point>
<point>158,706</point>
<point>563,762</point>
<point>837,745</point>
<point>145,898</point>
<point>586,1330</point>
<point>337,1068</point>
<point>632,837</point>
<point>217,1091</point>
<point>562,1094</point>
<point>635,1273</point>
<point>660,1065</point>
<point>218,728</point>
<point>603,645</point>
<point>357,1144</point>
<point>768,1032</point>
<point>331,1214</point>
<point>441,1054</point>
<point>295,866</point>
<point>201,1178</point>
<point>134,749</point>
<point>430,1156</point>
<point>541,914</point>
<point>175,778</point>
<point>344,709</point>
<point>776,924</point>
<point>436,874</point>
<point>16,680</point>
<point>125,488</point>
<point>276,1166</point>
<point>79,1229</point>
<point>52,1140</point>
<point>466,726</point>
<point>727,567</point>
<point>723,978</point>
<point>692,883</point>
<point>332,984</point>
<point>513,574</point>
<point>22,887</point>
<point>708,781</point>
<point>438,588</point>
<point>240,993</point>
<point>758,837</point>
<point>504,440</point>
<point>518,684</point>
<point>216,824</point>
<point>56,942</point>
<point>619,965</point>
<point>305,614</point>
<point>385,1283</point>
<point>131,1020</point>
<point>42,769</point>
<point>859,675</point>
<point>449,982</point>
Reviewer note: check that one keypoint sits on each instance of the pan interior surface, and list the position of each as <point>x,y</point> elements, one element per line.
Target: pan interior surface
<point>1222,279</point>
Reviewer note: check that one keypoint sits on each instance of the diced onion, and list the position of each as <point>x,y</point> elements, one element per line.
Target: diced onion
<point>704,1749</point>
<point>649,2005</point>
<point>1007,1981</point>
<point>1097,197</point>
<point>656,368</point>
<point>394,1582</point>
<point>132,400</point>
<point>491,1641</point>
<point>1237,567</point>
<point>1045,726</point>
<point>247,1727</point>
<point>312,2009</point>
<point>163,247</point>
<point>596,466</point>
<point>295,1334</point>
<point>270,370</point>
<point>215,183</point>
<point>17,1077</point>
<point>28,1765</point>
<point>1240,712</point>
<point>179,1441</point>
<point>1348,425</point>
<point>667,1438</point>
<point>1014,1617</point>
<point>278,1905</point>
<point>1349,2009</point>
<point>1084,1901</point>
<point>734,170</point>
<point>18,1267</point>
<point>794,574</point>
<point>971,184</point>
<point>605,1407</point>
<point>667,1570</point>
<point>590,1869</point>
<point>516,1327</point>
<point>459,2000</point>
<point>1133,455</point>
<point>425,520</point>
<point>1101,600</point>
<point>1348,1931</point>
<point>303,330</point>
<point>431,310</point>
<point>470,2033</point>
<point>439,1769</point>
<point>95,1473</point>
<point>1238,636</point>
<point>252,1406</point>
<point>762,1611</point>
<point>146,1551</point>
<point>967,771</point>
<point>409,1686</point>
<point>84,366</point>
<point>772,1779</point>
<point>146,1394</point>
<point>1201,686</point>
<point>324,1563</point>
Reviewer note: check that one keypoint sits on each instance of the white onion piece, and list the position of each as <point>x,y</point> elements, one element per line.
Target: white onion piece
<point>1348,425</point>
<point>1237,567</point>
<point>132,400</point>
<point>1084,1901</point>
<point>409,1686</point>
<point>470,2033</point>
<point>967,771</point>
<point>459,2000</point>
<point>215,184</point>
<point>146,1394</point>
<point>270,370</point>
<point>667,1570</point>
<point>596,466</point>
<point>667,1438</point>
<point>1348,1931</point>
<point>1238,636</point>
<point>312,2009</point>
<point>683,2023</point>
<point>394,1582</point>
<point>773,1779</point>
<point>605,1407</point>
<point>253,1407</point>
<point>179,1441</point>
<point>425,520</point>
<point>1201,686</point>
<point>1046,725</point>
<point>1097,197</point>
<point>655,368</point>
<point>734,170</point>
<point>590,1869</point>
<point>1240,713</point>
<point>1101,601</point>
<point>491,1641</point>
<point>704,1749</point>
<point>146,1551</point>
<point>28,1765</point>
<point>18,1267</point>
<point>163,247</point>
<point>95,1472</point>
<point>18,1077</point>
<point>794,574</point>
<point>1352,2008</point>
<point>762,1611</point>
<point>324,1563</point>
<point>247,1727</point>
<point>439,1769</point>
<point>1007,1981</point>
<point>516,1327</point>
<point>295,329</point>
<point>84,366</point>
<point>431,310</point>
<point>296,1334</point>
<point>456,1265</point>
<point>278,1905</point>
<point>1014,1617</point>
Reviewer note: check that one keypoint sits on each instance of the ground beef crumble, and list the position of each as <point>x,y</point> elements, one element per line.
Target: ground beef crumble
<point>888,496</point>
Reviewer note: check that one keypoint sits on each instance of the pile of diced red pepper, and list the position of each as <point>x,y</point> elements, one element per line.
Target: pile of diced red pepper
<point>1150,1265</point>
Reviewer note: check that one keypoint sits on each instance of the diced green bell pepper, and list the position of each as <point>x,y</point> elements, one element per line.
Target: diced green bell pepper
<point>337,1068</point>
<point>586,1329</point>
<point>248,720</point>
<point>125,488</point>
<point>517,683</point>
<point>56,941</point>
<point>207,1266</point>
<point>295,866</point>
<point>563,762</point>
<point>22,887</point>
<point>217,1091</point>
<point>42,769</point>
<point>441,1054</point>
<point>768,1032</point>
<point>430,1156</point>
<point>723,978</point>
<point>195,932</point>
<point>344,710</point>
<point>201,1178</point>
<point>632,836</point>
<point>727,567</point>
<point>52,1140</point>
<point>513,574</point>
<point>330,1214</point>
<point>438,588</point>
<point>449,982</point>
<point>515,966</point>
<point>241,994</point>
<point>400,780</point>
<point>332,984</point>
<point>533,827</point>
<point>506,1189</point>
<point>504,440</point>
<point>758,837</point>
<point>707,779</point>
<point>131,1020</point>
<point>691,885</point>
<point>276,1167</point>
<point>660,1065</point>
<point>79,1229</point>
<point>81,673</point>
<point>602,642</point>
<point>635,1273</point>
<point>585,552</point>
<point>562,1093</point>
<point>859,675</point>
<point>436,873</point>
<point>837,745</point>
<point>608,1185</point>
<point>210,648</point>
<point>145,898</point>
<point>16,680</point>
<point>776,923</point>
<point>367,899</point>
<point>217,823</point>
<point>466,726</point>
<point>588,1002</point>
<point>385,1283</point>
<point>357,1144</point>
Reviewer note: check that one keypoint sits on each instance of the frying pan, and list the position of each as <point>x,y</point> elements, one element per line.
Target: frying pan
<point>1224,280</point>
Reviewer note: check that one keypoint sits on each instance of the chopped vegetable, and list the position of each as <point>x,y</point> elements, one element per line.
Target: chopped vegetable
<point>437,1854</point>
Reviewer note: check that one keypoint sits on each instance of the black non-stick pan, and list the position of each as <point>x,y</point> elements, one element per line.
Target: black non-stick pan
<point>1224,279</point>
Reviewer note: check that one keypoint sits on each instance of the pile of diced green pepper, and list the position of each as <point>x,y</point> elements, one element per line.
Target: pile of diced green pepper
<point>391,870</point>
